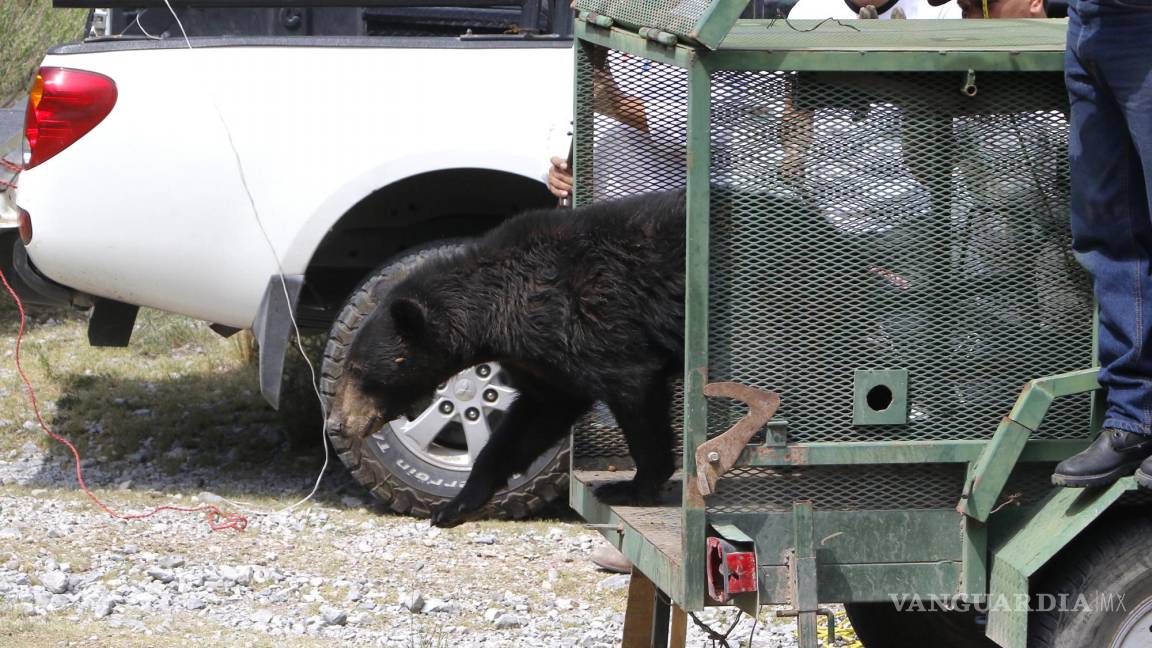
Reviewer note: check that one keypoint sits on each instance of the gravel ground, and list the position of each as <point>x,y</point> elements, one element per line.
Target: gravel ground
<point>175,419</point>
<point>335,571</point>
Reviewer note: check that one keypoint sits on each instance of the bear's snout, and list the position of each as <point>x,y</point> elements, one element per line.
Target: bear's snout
<point>353,410</point>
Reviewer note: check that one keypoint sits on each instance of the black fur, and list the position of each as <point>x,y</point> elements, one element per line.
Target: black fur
<point>577,305</point>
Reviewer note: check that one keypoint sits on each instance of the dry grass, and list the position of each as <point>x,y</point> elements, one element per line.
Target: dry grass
<point>178,383</point>
<point>27,29</point>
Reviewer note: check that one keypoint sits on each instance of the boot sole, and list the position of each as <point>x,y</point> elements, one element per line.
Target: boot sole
<point>1143,479</point>
<point>1102,479</point>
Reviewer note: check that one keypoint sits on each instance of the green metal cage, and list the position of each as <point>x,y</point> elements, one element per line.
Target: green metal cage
<point>877,232</point>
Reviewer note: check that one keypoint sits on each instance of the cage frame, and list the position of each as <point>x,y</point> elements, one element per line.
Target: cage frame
<point>981,561</point>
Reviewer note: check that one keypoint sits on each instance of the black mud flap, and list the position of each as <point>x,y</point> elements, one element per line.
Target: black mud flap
<point>273,331</point>
<point>111,322</point>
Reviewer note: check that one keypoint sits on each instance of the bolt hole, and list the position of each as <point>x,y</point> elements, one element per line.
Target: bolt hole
<point>879,398</point>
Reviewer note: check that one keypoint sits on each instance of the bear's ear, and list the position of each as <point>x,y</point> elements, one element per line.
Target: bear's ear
<point>410,318</point>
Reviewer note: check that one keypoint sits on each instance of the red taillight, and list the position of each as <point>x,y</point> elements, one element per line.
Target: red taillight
<point>62,106</point>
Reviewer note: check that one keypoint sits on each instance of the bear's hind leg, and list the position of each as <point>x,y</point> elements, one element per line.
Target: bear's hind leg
<point>533,423</point>
<point>646,421</point>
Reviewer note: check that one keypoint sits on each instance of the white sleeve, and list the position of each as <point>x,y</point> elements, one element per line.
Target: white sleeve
<point>949,9</point>
<point>819,10</point>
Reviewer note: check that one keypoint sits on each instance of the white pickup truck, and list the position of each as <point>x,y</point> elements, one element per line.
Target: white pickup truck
<point>369,138</point>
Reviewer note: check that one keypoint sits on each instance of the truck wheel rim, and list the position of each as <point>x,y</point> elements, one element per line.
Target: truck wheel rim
<point>1136,632</point>
<point>459,420</point>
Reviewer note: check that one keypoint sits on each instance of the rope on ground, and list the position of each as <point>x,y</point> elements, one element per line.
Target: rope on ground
<point>217,520</point>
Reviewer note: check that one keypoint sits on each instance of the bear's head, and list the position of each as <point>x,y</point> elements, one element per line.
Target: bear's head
<point>401,351</point>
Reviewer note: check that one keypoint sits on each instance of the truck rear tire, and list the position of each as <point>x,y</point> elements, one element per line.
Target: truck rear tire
<point>411,477</point>
<point>1109,570</point>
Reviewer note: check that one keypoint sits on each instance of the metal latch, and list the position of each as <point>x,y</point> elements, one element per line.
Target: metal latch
<point>717,456</point>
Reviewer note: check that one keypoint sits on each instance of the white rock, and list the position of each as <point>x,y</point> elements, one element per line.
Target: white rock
<point>261,616</point>
<point>162,575</point>
<point>412,602</point>
<point>619,581</point>
<point>10,533</point>
<point>194,603</point>
<point>438,605</point>
<point>506,621</point>
<point>490,614</point>
<point>333,616</point>
<point>104,607</point>
<point>563,604</point>
<point>241,575</point>
<point>485,539</point>
<point>55,582</point>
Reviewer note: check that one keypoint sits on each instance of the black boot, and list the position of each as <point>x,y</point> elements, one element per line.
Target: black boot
<point>1114,454</point>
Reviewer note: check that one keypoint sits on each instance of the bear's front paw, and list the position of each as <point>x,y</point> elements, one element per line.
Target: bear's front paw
<point>455,513</point>
<point>627,493</point>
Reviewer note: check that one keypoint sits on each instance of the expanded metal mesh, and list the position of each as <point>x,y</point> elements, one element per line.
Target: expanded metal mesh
<point>630,138</point>
<point>888,221</point>
<point>861,221</point>
<point>1028,484</point>
<point>866,488</point>
<point>632,125</point>
<point>840,488</point>
<point>597,435</point>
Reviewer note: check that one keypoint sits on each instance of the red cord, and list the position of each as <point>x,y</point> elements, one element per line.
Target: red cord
<point>217,519</point>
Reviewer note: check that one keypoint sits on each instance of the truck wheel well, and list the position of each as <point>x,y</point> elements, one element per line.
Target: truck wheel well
<point>445,204</point>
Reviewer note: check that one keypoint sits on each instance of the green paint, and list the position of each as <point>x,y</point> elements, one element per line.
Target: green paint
<point>974,551</point>
<point>991,470</point>
<point>806,598</point>
<point>660,568</point>
<point>696,331</point>
<point>1002,452</point>
<point>845,537</point>
<point>634,44</point>
<point>845,555</point>
<point>887,452</point>
<point>1034,540</point>
<point>880,397</point>
<point>582,122</point>
<point>866,583</point>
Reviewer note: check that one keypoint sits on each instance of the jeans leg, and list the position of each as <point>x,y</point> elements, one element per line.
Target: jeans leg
<point>1111,227</point>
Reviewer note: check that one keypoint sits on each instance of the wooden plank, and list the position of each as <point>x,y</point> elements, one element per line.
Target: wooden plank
<point>641,611</point>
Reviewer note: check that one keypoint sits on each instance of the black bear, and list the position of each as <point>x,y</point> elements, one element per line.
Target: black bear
<point>577,306</point>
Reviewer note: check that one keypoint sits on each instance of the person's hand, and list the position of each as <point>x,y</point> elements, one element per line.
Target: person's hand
<point>559,178</point>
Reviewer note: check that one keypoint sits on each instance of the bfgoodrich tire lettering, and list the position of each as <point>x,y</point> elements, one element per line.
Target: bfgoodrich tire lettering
<point>398,476</point>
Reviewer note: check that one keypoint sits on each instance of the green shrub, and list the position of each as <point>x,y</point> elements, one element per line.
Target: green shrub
<point>27,29</point>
